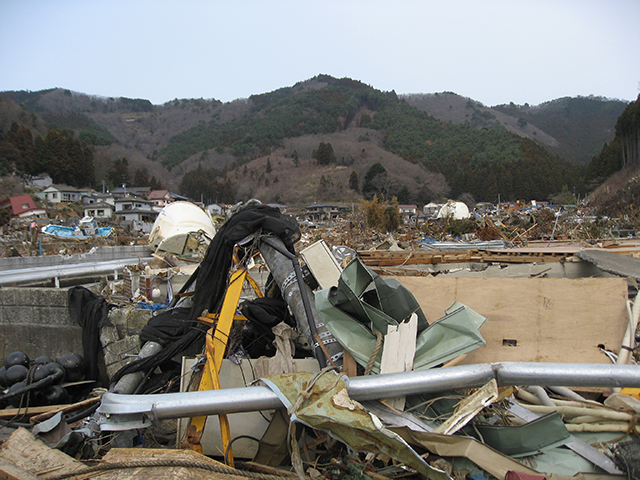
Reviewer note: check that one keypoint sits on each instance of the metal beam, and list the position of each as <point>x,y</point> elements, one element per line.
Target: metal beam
<point>144,408</point>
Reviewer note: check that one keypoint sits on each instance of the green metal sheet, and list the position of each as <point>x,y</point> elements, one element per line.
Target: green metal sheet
<point>352,312</point>
<point>533,437</point>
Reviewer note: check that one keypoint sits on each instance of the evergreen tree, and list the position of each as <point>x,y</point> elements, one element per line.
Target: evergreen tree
<point>66,159</point>
<point>353,181</point>
<point>324,154</point>
<point>154,184</point>
<point>119,172</point>
<point>17,147</point>
<point>140,178</point>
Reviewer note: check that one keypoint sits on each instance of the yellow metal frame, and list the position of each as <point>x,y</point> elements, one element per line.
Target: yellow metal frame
<point>216,344</point>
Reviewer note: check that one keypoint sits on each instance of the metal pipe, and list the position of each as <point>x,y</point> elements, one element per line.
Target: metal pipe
<point>130,382</point>
<point>246,399</point>
<point>286,271</point>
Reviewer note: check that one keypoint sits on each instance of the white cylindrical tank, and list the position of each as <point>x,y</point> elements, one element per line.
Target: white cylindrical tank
<point>454,210</point>
<point>176,221</point>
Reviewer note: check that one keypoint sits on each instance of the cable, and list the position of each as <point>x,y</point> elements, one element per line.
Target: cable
<point>226,450</point>
<point>83,414</point>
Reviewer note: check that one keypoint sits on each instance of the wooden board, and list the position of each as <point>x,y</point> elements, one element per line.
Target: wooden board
<point>533,319</point>
<point>28,453</point>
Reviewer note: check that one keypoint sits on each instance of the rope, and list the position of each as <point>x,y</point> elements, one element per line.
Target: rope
<point>166,463</point>
<point>374,354</point>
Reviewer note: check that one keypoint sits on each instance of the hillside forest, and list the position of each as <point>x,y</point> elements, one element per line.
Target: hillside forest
<point>324,139</point>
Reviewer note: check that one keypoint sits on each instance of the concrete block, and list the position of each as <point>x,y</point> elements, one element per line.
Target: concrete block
<point>34,340</point>
<point>129,320</point>
<point>52,297</point>
<point>108,335</point>
<point>12,314</point>
<point>48,316</point>
<point>7,296</point>
<point>126,346</point>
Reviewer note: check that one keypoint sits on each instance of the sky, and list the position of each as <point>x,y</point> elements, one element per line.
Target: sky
<point>493,51</point>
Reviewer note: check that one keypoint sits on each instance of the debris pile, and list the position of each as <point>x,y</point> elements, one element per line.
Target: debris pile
<point>337,361</point>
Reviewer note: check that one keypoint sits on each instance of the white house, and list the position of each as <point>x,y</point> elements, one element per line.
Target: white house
<point>136,212</point>
<point>216,209</point>
<point>98,210</point>
<point>132,203</point>
<point>431,209</point>
<point>407,211</point>
<point>62,193</point>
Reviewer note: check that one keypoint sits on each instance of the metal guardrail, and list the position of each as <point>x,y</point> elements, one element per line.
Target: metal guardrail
<point>56,272</point>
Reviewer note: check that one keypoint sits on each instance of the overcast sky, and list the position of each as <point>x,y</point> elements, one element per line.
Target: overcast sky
<point>527,51</point>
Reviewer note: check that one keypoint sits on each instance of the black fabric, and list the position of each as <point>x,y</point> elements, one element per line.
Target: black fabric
<point>263,314</point>
<point>167,326</point>
<point>211,275</point>
<point>91,312</point>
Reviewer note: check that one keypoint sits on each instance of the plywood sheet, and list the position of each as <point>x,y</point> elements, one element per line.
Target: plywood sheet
<point>533,319</point>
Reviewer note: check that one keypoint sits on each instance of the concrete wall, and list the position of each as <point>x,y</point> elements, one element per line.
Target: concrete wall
<point>36,321</point>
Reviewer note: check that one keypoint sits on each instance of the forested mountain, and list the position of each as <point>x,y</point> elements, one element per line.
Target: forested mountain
<point>323,139</point>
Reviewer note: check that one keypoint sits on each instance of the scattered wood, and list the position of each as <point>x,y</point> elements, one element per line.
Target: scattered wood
<point>28,453</point>
<point>15,413</point>
<point>64,409</point>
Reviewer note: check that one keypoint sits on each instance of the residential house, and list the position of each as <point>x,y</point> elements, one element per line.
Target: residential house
<point>125,191</point>
<point>407,211</point>
<point>319,212</point>
<point>160,198</point>
<point>23,206</point>
<point>99,198</point>
<point>99,211</point>
<point>136,212</point>
<point>61,193</point>
<point>41,181</point>
<point>431,209</point>
<point>217,209</point>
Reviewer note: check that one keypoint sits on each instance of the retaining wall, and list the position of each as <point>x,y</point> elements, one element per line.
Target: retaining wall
<point>36,321</point>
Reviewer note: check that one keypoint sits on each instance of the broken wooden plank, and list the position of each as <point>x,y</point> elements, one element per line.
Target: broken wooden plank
<point>54,409</point>
<point>13,413</point>
<point>10,471</point>
<point>31,454</point>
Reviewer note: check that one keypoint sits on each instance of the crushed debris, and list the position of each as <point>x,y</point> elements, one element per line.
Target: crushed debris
<point>270,351</point>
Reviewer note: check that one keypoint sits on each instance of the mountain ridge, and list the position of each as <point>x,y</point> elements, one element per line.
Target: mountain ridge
<point>141,132</point>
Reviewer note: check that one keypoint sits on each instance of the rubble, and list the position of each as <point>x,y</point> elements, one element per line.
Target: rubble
<point>533,374</point>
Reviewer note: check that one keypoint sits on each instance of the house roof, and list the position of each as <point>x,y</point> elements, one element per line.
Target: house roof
<point>61,188</point>
<point>19,204</point>
<point>137,191</point>
<point>131,199</point>
<point>98,205</point>
<point>158,194</point>
<point>324,205</point>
